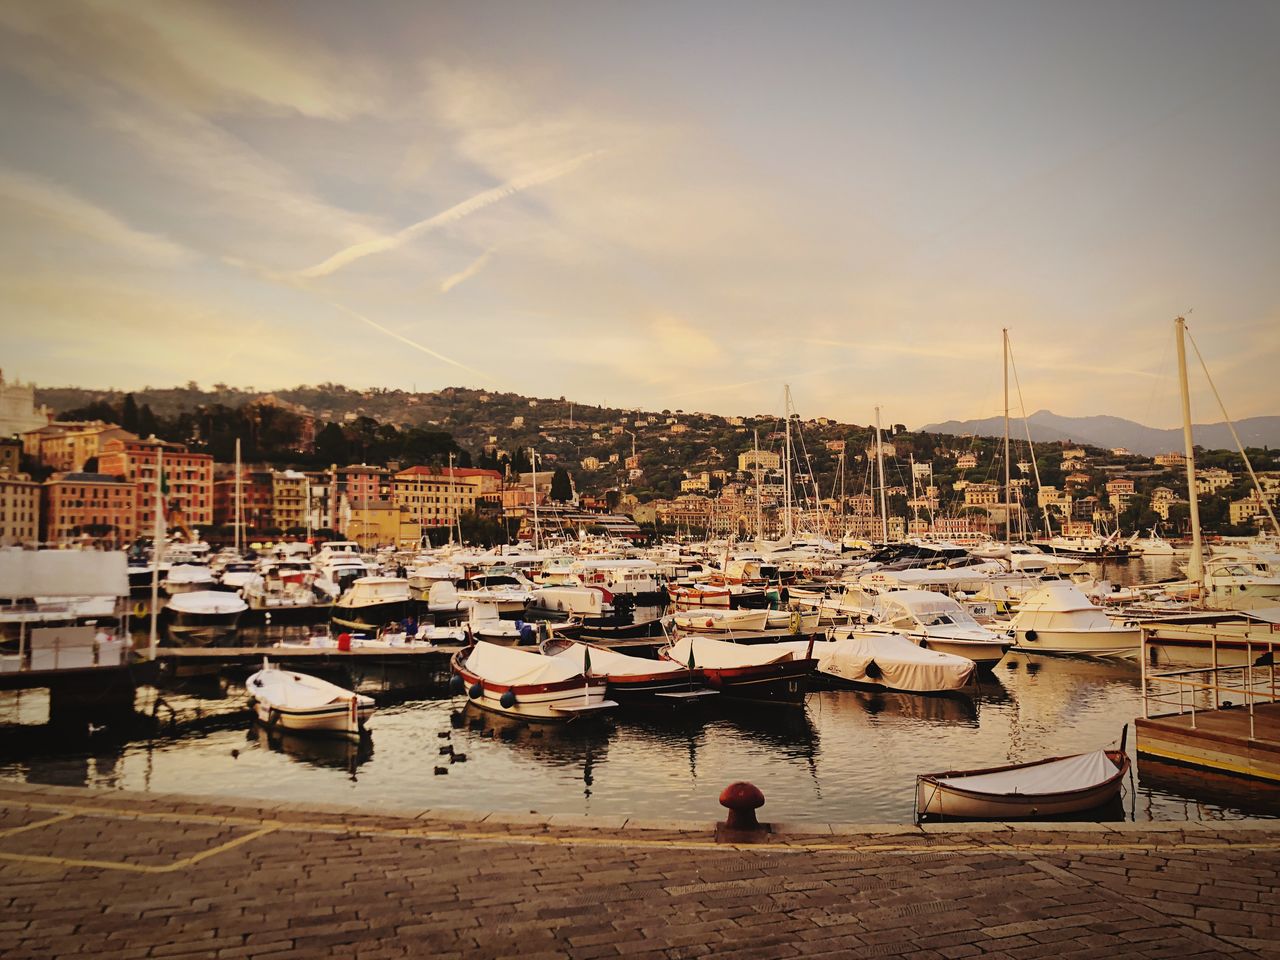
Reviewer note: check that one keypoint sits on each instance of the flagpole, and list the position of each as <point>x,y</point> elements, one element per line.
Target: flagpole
<point>157,552</point>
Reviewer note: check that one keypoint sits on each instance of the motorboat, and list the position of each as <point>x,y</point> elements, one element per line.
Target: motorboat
<point>887,661</point>
<point>937,622</point>
<point>721,620</point>
<point>187,577</point>
<point>282,585</point>
<point>771,672</point>
<point>1057,617</point>
<point>1043,788</point>
<point>632,679</point>
<point>372,602</point>
<point>296,701</point>
<point>338,571</point>
<point>527,683</point>
<point>203,616</point>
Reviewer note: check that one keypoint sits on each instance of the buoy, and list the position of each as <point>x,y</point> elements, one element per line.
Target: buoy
<point>873,670</point>
<point>139,609</point>
<point>1031,635</point>
<point>508,699</point>
<point>457,684</point>
<point>742,799</point>
<point>476,690</point>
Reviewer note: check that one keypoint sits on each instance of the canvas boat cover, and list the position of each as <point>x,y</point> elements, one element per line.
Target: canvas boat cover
<point>63,573</point>
<point>609,663</point>
<point>901,664</point>
<point>721,655</point>
<point>512,667</point>
<point>286,690</point>
<point>207,601</point>
<point>1060,776</point>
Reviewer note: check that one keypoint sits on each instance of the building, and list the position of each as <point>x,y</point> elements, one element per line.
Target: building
<point>189,477</point>
<point>89,506</point>
<point>836,446</point>
<point>18,410</point>
<point>1170,460</point>
<point>375,523</point>
<point>437,496</point>
<point>10,455</point>
<point>359,481</point>
<point>19,510</point>
<point>700,483</point>
<point>1072,453</point>
<point>591,464</point>
<point>1074,463</point>
<point>1213,479</point>
<point>66,446</point>
<point>966,461</point>
<point>255,499</point>
<point>1162,498</point>
<point>981,495</point>
<point>1245,510</point>
<point>289,499</point>
<point>759,459</point>
<point>1120,492</point>
<point>886,450</point>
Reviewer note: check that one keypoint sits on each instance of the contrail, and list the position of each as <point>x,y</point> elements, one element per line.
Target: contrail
<point>467,207</point>
<point>412,343</point>
<point>469,271</point>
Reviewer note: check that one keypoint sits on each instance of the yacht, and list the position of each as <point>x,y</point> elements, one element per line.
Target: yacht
<point>372,602</point>
<point>1058,618</point>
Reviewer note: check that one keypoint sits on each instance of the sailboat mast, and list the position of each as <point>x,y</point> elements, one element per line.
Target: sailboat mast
<point>755,443</point>
<point>453,504</point>
<point>533,463</point>
<point>884,511</point>
<point>239,499</point>
<point>786,478</point>
<point>1196,567</point>
<point>157,553</point>
<point>1008,514</point>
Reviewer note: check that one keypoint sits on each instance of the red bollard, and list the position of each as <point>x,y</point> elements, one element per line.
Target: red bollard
<point>742,800</point>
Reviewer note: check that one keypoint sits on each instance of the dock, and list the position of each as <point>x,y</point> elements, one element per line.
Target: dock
<point>1229,740</point>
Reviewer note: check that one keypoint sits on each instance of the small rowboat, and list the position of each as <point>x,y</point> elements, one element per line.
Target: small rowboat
<point>769,672</point>
<point>528,684</point>
<point>296,701</point>
<point>1043,788</point>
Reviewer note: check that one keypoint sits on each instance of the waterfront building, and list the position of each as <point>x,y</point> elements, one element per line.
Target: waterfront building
<point>255,497</point>
<point>66,446</point>
<point>18,410</point>
<point>373,523</point>
<point>89,506</point>
<point>189,477</point>
<point>19,510</point>
<point>289,504</point>
<point>437,496</point>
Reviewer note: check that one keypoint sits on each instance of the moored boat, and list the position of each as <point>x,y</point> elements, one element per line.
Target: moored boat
<point>720,620</point>
<point>297,701</point>
<point>1058,618</point>
<point>890,661</point>
<point>526,683</point>
<point>632,679</point>
<point>772,672</point>
<point>205,616</point>
<point>372,602</point>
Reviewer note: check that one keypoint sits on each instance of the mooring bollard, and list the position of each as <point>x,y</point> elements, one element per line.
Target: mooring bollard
<point>742,800</point>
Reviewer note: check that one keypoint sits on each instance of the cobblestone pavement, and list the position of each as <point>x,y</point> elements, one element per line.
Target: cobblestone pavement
<point>120,875</point>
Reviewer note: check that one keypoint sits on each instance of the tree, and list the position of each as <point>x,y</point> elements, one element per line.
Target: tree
<point>129,413</point>
<point>147,425</point>
<point>331,444</point>
<point>561,485</point>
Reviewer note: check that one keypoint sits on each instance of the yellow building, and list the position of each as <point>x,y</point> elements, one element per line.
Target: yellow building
<point>376,523</point>
<point>288,499</point>
<point>67,445</point>
<point>19,510</point>
<point>437,496</point>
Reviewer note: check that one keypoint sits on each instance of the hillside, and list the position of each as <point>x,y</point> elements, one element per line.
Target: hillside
<point>1110,432</point>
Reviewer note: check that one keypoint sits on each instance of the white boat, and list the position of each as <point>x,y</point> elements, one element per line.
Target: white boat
<point>527,683</point>
<point>1058,618</point>
<point>721,619</point>
<point>889,661</point>
<point>296,701</point>
<point>205,616</point>
<point>187,577</point>
<point>372,602</point>
<point>937,622</point>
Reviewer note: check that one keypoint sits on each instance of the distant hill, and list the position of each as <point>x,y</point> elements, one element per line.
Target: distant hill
<point>1108,432</point>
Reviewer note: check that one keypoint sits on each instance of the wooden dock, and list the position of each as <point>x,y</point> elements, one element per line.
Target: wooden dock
<point>1218,740</point>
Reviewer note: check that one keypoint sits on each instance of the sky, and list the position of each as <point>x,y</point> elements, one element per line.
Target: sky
<point>657,205</point>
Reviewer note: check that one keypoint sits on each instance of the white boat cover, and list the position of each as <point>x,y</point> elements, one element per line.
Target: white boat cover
<point>63,573</point>
<point>189,573</point>
<point>720,655</point>
<point>609,663</point>
<point>207,602</point>
<point>512,667</point>
<point>1060,776</point>
<point>286,690</point>
<point>903,665</point>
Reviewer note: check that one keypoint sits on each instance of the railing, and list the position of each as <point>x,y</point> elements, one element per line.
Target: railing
<point>1242,684</point>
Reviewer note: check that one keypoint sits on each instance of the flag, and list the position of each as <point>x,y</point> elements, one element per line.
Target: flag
<point>691,653</point>
<point>586,660</point>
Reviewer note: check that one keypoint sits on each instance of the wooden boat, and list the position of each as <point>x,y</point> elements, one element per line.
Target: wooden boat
<point>771,672</point>
<point>720,620</point>
<point>1042,788</point>
<point>526,683</point>
<point>633,679</point>
<point>296,701</point>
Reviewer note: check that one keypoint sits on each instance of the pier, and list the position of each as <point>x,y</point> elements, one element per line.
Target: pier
<point>120,875</point>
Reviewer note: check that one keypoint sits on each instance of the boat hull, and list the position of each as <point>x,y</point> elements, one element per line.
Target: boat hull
<point>200,628</point>
<point>934,799</point>
<point>370,616</point>
<point>985,653</point>
<point>330,718</point>
<point>550,702</point>
<point>1124,643</point>
<point>785,681</point>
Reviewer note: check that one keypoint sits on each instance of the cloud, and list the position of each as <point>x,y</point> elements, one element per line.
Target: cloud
<point>52,204</point>
<point>457,212</point>
<point>467,272</point>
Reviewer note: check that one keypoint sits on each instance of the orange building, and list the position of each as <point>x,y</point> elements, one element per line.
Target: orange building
<point>89,505</point>
<point>189,476</point>
<point>255,500</point>
<point>67,445</point>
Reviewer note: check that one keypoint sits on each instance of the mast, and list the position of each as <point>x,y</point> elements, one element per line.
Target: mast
<point>1008,510</point>
<point>755,443</point>
<point>884,510</point>
<point>308,489</point>
<point>453,503</point>
<point>1196,567</point>
<point>786,477</point>
<point>239,499</point>
<point>157,552</point>
<point>533,463</point>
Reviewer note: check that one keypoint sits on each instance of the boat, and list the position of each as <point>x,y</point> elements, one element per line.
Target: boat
<point>720,620</point>
<point>937,622</point>
<point>632,679</point>
<point>204,616</point>
<point>187,578</point>
<point>771,672</point>
<point>1043,788</point>
<point>528,683</point>
<point>372,602</point>
<point>890,661</point>
<point>296,701</point>
<point>1058,618</point>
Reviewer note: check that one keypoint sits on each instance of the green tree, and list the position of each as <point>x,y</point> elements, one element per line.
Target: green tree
<point>129,413</point>
<point>561,485</point>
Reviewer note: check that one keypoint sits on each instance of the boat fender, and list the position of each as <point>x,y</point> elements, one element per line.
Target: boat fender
<point>873,670</point>
<point>1032,635</point>
<point>457,684</point>
<point>139,609</point>
<point>528,635</point>
<point>476,690</point>
<point>508,699</point>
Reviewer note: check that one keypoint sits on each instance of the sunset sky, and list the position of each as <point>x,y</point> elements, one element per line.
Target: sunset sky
<point>661,205</point>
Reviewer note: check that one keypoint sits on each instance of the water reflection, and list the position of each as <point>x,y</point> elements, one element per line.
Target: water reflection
<point>336,753</point>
